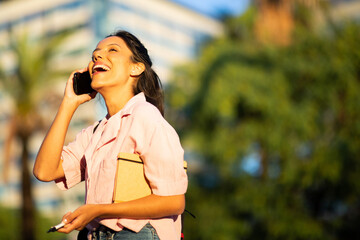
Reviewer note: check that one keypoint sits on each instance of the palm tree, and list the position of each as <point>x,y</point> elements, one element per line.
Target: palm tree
<point>26,85</point>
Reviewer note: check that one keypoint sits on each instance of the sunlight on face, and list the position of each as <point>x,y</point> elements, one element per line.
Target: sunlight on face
<point>111,64</point>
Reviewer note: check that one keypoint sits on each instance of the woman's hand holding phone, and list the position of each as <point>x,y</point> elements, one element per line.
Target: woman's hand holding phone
<point>82,83</point>
<point>70,93</point>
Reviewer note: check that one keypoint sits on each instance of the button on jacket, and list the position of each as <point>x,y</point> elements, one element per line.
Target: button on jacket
<point>137,128</point>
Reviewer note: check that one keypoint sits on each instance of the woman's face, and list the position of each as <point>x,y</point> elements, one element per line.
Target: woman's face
<point>111,64</point>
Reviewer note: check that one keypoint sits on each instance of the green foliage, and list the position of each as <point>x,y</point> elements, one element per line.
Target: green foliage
<point>10,224</point>
<point>295,109</point>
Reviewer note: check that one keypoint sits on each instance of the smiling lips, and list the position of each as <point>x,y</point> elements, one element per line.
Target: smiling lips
<point>100,68</point>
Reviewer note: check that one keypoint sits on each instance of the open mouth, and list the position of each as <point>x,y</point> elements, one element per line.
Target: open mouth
<point>100,68</point>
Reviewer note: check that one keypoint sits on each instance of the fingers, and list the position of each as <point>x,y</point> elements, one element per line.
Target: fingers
<point>69,89</point>
<point>68,228</point>
<point>78,219</point>
<point>87,97</point>
<point>70,94</point>
<point>68,217</point>
<point>71,223</point>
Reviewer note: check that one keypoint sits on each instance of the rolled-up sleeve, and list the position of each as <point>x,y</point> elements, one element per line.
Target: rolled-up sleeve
<point>159,146</point>
<point>73,160</point>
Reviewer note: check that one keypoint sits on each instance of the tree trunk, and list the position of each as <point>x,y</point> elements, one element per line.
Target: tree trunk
<point>27,210</point>
<point>274,23</point>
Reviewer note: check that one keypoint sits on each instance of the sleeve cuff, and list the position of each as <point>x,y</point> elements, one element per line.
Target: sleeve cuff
<point>166,188</point>
<point>72,177</point>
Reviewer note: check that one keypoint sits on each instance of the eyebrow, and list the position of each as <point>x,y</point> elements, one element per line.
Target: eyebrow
<point>97,49</point>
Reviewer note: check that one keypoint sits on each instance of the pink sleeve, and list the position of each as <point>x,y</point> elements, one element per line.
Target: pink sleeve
<point>74,161</point>
<point>159,146</point>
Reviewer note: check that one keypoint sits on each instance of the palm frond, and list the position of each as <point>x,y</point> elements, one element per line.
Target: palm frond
<point>33,72</point>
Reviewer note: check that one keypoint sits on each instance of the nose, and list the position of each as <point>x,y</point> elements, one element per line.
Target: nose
<point>97,55</point>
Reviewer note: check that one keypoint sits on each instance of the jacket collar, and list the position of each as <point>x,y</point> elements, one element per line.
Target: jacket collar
<point>127,109</point>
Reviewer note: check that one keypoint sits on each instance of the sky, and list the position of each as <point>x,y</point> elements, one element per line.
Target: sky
<point>214,8</point>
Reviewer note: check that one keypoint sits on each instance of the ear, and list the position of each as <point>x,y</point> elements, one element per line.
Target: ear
<point>137,69</point>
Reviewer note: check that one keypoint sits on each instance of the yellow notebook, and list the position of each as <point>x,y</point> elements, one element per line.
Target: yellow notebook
<point>130,181</point>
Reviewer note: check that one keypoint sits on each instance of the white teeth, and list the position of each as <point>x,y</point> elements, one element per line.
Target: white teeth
<point>106,68</point>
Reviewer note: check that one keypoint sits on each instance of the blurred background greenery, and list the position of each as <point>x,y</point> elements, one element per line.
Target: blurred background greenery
<point>271,119</point>
<point>268,114</point>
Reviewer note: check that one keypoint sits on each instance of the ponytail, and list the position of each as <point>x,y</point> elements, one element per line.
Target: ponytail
<point>149,83</point>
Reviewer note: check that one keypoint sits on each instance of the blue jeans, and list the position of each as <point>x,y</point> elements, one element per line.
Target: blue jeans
<point>146,233</point>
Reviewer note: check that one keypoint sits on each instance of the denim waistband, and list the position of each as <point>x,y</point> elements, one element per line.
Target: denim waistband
<point>105,233</point>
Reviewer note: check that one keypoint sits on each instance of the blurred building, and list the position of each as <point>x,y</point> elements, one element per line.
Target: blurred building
<point>172,34</point>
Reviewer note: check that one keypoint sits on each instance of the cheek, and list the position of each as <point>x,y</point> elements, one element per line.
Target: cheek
<point>123,70</point>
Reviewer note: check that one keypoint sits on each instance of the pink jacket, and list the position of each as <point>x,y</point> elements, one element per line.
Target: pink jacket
<point>137,128</point>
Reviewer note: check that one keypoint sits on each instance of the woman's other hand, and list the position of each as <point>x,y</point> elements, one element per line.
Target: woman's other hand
<point>78,219</point>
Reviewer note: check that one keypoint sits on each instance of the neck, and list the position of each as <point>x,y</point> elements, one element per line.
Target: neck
<point>116,100</point>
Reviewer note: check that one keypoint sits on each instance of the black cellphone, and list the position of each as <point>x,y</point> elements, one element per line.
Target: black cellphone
<point>82,83</point>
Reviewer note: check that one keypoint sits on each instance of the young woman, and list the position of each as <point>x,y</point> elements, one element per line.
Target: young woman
<point>121,72</point>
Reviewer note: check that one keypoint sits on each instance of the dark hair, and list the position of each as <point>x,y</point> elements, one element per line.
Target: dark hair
<point>149,82</point>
